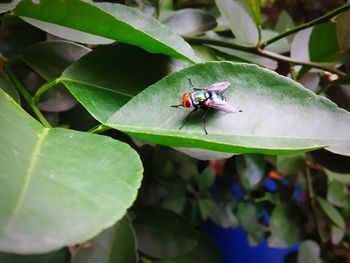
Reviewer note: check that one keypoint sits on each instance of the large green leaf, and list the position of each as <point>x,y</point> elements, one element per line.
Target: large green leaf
<point>279,115</point>
<point>7,86</point>
<point>110,21</point>
<point>52,179</point>
<point>116,244</point>
<point>106,78</point>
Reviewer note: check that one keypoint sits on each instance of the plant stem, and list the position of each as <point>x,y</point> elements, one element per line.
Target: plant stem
<point>98,129</point>
<point>322,19</point>
<point>264,53</point>
<point>323,66</point>
<point>26,95</point>
<point>313,204</point>
<point>45,87</point>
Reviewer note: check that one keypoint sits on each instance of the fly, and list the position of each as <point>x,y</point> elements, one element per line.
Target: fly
<point>210,97</point>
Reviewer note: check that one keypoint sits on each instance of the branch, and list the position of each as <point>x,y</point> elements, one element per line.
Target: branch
<point>319,20</point>
<point>26,95</point>
<point>264,53</point>
<point>45,87</point>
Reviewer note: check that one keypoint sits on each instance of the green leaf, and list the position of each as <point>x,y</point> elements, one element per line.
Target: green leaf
<point>291,164</point>
<point>50,58</point>
<point>309,251</point>
<point>332,213</point>
<point>60,256</point>
<point>161,233</point>
<point>116,244</point>
<point>337,234</point>
<point>49,173</point>
<point>190,22</point>
<point>284,22</point>
<point>271,120</point>
<point>102,84</point>
<point>8,6</point>
<point>251,170</point>
<point>280,46</point>
<point>239,21</point>
<point>343,178</point>
<point>220,215</point>
<point>254,7</point>
<point>206,179</point>
<point>285,225</point>
<point>110,21</point>
<point>247,215</point>
<point>207,251</point>
<point>323,44</point>
<point>7,86</point>
<point>338,194</point>
<point>16,35</point>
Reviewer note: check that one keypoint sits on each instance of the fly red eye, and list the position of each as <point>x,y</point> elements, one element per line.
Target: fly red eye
<point>186,100</point>
<point>188,103</point>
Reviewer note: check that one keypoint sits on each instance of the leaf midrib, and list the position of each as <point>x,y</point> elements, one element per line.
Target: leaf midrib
<point>65,79</point>
<point>27,179</point>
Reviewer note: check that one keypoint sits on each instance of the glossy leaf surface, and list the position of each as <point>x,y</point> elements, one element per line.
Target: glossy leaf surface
<point>190,21</point>
<point>279,115</point>
<point>116,244</point>
<point>323,44</point>
<point>54,178</point>
<point>110,21</point>
<point>7,86</point>
<point>102,84</point>
<point>239,21</point>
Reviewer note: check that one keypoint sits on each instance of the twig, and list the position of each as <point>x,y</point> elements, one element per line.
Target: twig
<point>26,95</point>
<point>45,87</point>
<point>319,20</point>
<point>98,129</point>
<point>264,53</point>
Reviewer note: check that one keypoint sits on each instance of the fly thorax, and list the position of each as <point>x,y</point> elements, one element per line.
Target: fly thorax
<point>199,96</point>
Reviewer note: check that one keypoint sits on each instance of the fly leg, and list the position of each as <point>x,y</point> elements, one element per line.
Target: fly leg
<point>190,83</point>
<point>188,117</point>
<point>205,120</point>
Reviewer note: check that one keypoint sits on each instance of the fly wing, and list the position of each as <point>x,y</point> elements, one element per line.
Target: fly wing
<point>218,87</point>
<point>221,106</point>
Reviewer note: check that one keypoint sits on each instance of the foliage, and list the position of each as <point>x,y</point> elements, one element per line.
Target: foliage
<point>86,89</point>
